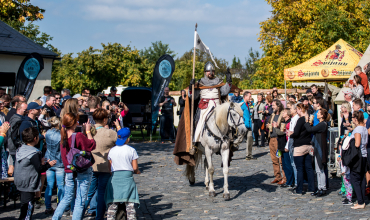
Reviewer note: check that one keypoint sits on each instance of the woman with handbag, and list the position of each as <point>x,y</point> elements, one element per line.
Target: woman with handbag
<point>319,141</point>
<point>82,179</point>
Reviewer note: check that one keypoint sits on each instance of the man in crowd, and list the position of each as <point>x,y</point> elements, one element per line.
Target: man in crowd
<point>275,123</point>
<point>348,96</point>
<point>93,103</point>
<point>49,104</point>
<point>318,104</point>
<point>236,98</point>
<point>86,92</point>
<point>57,107</point>
<point>2,92</point>
<point>364,81</point>
<point>248,124</point>
<point>12,135</point>
<point>14,102</point>
<point>358,106</point>
<point>292,98</point>
<point>65,92</point>
<point>309,93</point>
<point>6,103</point>
<point>258,109</point>
<point>316,92</point>
<point>47,91</point>
<point>167,103</point>
<point>305,102</point>
<point>34,111</point>
<point>112,96</point>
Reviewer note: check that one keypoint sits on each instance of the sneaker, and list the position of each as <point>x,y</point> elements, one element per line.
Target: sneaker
<point>38,203</point>
<point>347,202</point>
<point>49,211</point>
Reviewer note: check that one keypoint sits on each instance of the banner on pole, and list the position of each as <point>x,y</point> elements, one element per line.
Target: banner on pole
<point>162,75</point>
<point>198,43</point>
<point>27,74</point>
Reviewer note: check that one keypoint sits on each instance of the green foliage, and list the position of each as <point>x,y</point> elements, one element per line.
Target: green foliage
<point>301,29</point>
<point>250,69</point>
<point>19,10</point>
<point>99,68</point>
<point>236,63</point>
<point>184,68</point>
<point>154,52</point>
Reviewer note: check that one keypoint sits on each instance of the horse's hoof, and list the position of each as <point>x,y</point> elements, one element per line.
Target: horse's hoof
<point>191,183</point>
<point>226,196</point>
<point>207,188</point>
<point>212,194</point>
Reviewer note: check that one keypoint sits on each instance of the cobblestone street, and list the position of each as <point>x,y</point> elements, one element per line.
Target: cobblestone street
<point>166,194</point>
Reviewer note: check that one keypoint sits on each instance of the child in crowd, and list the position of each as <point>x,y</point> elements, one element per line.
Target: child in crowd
<point>28,168</point>
<point>121,186</point>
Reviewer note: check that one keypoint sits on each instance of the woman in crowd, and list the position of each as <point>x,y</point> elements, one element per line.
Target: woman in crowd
<point>70,106</point>
<point>289,146</point>
<point>105,139</point>
<point>52,138</point>
<point>302,158</point>
<point>258,109</point>
<point>357,176</point>
<point>182,99</point>
<point>4,165</point>
<point>320,149</point>
<point>282,141</point>
<point>357,88</point>
<point>82,179</point>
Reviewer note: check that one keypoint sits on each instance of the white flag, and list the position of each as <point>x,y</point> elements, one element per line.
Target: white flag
<point>198,43</point>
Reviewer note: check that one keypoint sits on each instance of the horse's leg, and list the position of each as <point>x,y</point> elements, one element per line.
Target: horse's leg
<point>211,170</point>
<point>206,180</point>
<point>225,159</point>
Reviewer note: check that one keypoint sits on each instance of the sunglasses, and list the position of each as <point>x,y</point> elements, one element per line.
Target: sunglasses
<point>130,136</point>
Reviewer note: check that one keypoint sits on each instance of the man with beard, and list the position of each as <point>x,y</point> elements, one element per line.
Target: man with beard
<point>209,97</point>
<point>167,103</point>
<point>305,102</point>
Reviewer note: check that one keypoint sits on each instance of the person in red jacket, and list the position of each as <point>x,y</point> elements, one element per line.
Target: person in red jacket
<point>364,81</point>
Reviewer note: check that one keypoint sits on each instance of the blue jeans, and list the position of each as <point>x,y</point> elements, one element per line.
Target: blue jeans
<point>97,188</point>
<point>51,174</point>
<point>83,181</point>
<point>304,162</point>
<point>287,167</point>
<point>291,151</point>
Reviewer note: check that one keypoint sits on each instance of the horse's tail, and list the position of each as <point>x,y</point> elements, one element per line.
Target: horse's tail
<point>190,170</point>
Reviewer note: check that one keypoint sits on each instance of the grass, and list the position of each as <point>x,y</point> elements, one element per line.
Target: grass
<point>136,136</point>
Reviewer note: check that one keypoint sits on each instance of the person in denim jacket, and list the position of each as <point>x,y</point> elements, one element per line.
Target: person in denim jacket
<point>52,138</point>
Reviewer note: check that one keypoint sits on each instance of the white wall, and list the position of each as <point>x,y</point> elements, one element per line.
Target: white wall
<point>11,63</point>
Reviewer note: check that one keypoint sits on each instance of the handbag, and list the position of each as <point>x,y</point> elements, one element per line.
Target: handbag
<point>78,160</point>
<point>178,110</point>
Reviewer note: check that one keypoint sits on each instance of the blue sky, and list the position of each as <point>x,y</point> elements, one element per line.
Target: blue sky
<point>228,28</point>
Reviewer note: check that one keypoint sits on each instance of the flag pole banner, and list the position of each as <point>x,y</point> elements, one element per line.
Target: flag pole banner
<point>27,74</point>
<point>162,75</point>
<point>198,43</point>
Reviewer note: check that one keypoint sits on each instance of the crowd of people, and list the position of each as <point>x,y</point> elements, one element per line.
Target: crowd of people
<point>77,143</point>
<point>297,136</point>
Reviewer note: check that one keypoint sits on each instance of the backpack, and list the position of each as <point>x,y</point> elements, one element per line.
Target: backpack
<point>16,135</point>
<point>78,160</point>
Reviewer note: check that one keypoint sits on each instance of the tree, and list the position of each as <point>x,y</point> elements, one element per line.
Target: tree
<point>100,68</point>
<point>300,29</point>
<point>236,63</point>
<point>250,69</point>
<point>20,10</point>
<point>154,52</point>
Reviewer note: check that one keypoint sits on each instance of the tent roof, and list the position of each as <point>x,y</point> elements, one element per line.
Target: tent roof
<point>334,64</point>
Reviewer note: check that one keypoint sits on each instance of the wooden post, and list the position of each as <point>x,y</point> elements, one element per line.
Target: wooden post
<point>192,151</point>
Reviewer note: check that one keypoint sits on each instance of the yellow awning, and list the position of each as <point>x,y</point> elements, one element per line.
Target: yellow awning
<point>334,64</point>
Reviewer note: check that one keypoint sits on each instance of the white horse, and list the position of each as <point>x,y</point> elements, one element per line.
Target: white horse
<point>216,137</point>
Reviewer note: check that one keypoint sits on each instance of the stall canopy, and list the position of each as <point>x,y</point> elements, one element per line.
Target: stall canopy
<point>334,64</point>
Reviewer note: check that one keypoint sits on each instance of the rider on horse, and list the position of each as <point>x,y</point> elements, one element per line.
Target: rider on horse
<point>208,93</point>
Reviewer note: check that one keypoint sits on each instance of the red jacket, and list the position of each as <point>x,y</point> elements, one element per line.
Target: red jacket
<point>82,143</point>
<point>364,83</point>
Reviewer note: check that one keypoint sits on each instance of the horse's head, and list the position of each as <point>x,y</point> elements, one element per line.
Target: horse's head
<point>236,121</point>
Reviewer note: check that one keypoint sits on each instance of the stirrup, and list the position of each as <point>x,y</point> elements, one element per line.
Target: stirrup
<point>193,150</point>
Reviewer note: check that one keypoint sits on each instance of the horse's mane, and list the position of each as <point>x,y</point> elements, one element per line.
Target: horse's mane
<point>221,112</point>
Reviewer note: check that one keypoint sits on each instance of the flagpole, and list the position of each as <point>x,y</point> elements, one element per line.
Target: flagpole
<point>192,151</point>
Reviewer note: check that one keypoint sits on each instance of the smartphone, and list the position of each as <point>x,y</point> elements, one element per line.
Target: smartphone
<point>107,107</point>
<point>78,129</point>
<point>83,119</point>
